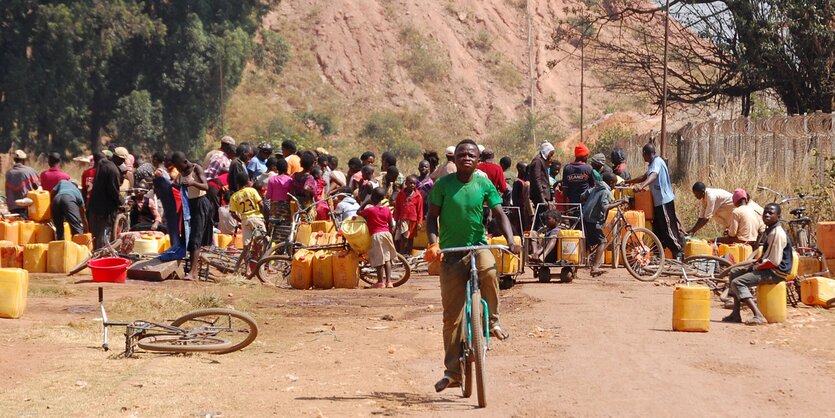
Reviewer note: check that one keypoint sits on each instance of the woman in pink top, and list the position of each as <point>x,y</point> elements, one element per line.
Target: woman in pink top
<point>277,188</point>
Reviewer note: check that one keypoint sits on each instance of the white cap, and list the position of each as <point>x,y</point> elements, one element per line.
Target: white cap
<point>450,150</point>
<point>480,148</point>
<point>19,154</point>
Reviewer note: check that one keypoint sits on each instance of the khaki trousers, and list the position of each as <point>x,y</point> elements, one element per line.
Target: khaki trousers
<point>455,272</point>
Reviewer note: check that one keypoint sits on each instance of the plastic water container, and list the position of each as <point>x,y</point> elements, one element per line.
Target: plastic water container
<point>421,239</point>
<point>164,244</point>
<point>739,252</point>
<point>434,268</point>
<point>771,299</point>
<point>643,202</point>
<point>239,241</point>
<point>27,232</point>
<point>695,247</point>
<point>84,240</point>
<point>505,263</point>
<point>10,231</point>
<point>346,274</point>
<point>322,226</point>
<point>826,238</point>
<point>39,210</point>
<point>34,257</point>
<point>110,269</point>
<point>355,231</point>
<point>691,308</point>
<point>301,271</point>
<point>14,290</point>
<point>816,291</point>
<point>570,241</point>
<point>144,245</point>
<point>303,234</point>
<point>11,255</point>
<point>636,218</point>
<point>809,265</point>
<point>44,234</point>
<point>323,270</point>
<point>63,256</point>
<point>223,240</point>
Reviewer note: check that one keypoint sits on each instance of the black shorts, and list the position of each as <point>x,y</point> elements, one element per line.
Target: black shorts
<point>201,223</point>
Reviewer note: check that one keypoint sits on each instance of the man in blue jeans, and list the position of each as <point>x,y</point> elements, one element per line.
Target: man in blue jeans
<point>773,267</point>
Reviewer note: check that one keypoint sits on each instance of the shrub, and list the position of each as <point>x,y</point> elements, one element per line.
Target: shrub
<point>483,41</point>
<point>425,60</point>
<point>321,121</point>
<point>273,52</point>
<point>517,137</point>
<point>609,137</point>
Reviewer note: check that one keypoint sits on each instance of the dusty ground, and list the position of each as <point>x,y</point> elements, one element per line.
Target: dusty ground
<point>590,348</point>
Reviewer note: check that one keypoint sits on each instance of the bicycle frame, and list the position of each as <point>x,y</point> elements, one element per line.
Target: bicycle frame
<point>133,330</point>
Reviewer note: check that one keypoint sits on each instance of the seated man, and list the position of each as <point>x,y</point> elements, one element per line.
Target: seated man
<point>773,267</point>
<point>746,222</point>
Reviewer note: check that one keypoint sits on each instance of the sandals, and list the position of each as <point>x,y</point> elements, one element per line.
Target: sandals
<point>756,321</point>
<point>378,285</point>
<point>499,333</point>
<point>447,382</point>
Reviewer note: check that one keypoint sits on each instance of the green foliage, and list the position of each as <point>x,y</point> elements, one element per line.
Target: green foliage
<point>609,137</point>
<point>517,137</point>
<point>137,120</point>
<point>70,70</point>
<point>483,41</point>
<point>395,132</point>
<point>426,61</point>
<point>273,52</point>
<point>319,121</point>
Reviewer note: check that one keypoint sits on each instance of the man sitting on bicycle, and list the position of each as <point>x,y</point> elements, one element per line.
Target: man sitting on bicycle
<point>457,199</point>
<point>773,267</point>
<point>596,206</point>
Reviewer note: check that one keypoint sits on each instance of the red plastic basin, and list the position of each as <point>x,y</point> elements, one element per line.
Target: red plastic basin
<point>111,269</point>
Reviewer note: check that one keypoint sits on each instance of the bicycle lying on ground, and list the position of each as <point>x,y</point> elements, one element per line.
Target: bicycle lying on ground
<point>475,328</point>
<point>216,331</point>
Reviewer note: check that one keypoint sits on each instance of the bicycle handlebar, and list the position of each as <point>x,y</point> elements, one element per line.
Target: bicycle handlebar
<point>468,248</point>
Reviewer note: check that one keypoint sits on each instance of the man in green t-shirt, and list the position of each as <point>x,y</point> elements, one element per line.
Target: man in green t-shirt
<point>457,199</point>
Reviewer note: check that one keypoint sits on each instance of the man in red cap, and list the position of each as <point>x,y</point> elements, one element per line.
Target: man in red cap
<point>746,221</point>
<point>577,177</point>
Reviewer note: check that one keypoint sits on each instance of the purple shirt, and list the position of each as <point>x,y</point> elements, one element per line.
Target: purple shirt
<point>278,187</point>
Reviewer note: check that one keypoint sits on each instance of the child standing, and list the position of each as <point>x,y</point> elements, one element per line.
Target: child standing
<point>382,250</point>
<point>595,210</point>
<point>245,206</point>
<point>408,215</point>
<point>278,188</point>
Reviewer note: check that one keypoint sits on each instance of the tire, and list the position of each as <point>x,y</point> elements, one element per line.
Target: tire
<point>643,255</point>
<point>400,272</point>
<point>277,249</point>
<point>209,317</point>
<point>566,275</point>
<point>466,373</point>
<point>183,344</point>
<point>274,270</point>
<point>479,350</point>
<point>120,224</point>
<point>544,275</point>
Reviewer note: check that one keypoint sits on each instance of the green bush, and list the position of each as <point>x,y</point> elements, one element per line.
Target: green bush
<point>273,52</point>
<point>425,60</point>
<point>609,137</point>
<point>321,121</point>
<point>517,137</point>
<point>483,41</point>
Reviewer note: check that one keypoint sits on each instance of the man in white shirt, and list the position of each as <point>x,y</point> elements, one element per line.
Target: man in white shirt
<point>716,204</point>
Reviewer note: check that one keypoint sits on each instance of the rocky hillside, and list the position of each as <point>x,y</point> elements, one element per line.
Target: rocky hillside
<point>446,68</point>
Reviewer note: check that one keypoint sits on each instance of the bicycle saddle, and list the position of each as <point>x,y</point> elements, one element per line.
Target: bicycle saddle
<point>798,212</point>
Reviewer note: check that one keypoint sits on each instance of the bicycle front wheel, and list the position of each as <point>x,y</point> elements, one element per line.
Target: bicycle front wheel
<point>238,328</point>
<point>275,270</point>
<point>642,254</point>
<point>183,344</point>
<point>479,347</point>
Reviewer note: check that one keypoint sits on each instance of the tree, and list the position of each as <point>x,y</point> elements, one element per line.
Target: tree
<point>147,73</point>
<point>718,49</point>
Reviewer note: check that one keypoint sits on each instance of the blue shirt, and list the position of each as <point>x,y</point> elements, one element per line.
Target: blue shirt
<point>256,167</point>
<point>662,188</point>
<point>66,187</point>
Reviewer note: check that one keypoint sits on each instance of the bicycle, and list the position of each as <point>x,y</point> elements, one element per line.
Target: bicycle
<point>239,261</point>
<point>216,331</point>
<point>275,265</point>
<point>475,330</point>
<point>640,248</point>
<point>800,226</point>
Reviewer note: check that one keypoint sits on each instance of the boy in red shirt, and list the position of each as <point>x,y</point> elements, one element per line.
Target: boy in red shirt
<point>408,216</point>
<point>382,252</point>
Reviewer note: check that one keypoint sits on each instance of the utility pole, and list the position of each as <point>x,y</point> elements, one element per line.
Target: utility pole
<point>582,80</point>
<point>531,75</point>
<point>663,138</point>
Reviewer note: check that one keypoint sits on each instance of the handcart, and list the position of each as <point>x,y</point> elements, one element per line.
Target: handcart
<point>508,266</point>
<point>569,251</point>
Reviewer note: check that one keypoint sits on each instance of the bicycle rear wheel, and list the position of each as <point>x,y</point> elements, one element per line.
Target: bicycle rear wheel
<point>642,254</point>
<point>400,271</point>
<point>479,353</point>
<point>238,328</point>
<point>183,344</point>
<point>274,270</point>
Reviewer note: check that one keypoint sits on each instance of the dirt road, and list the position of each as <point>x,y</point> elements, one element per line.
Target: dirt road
<point>590,348</point>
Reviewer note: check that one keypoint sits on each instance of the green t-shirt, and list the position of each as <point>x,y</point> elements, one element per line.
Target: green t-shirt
<point>461,208</point>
